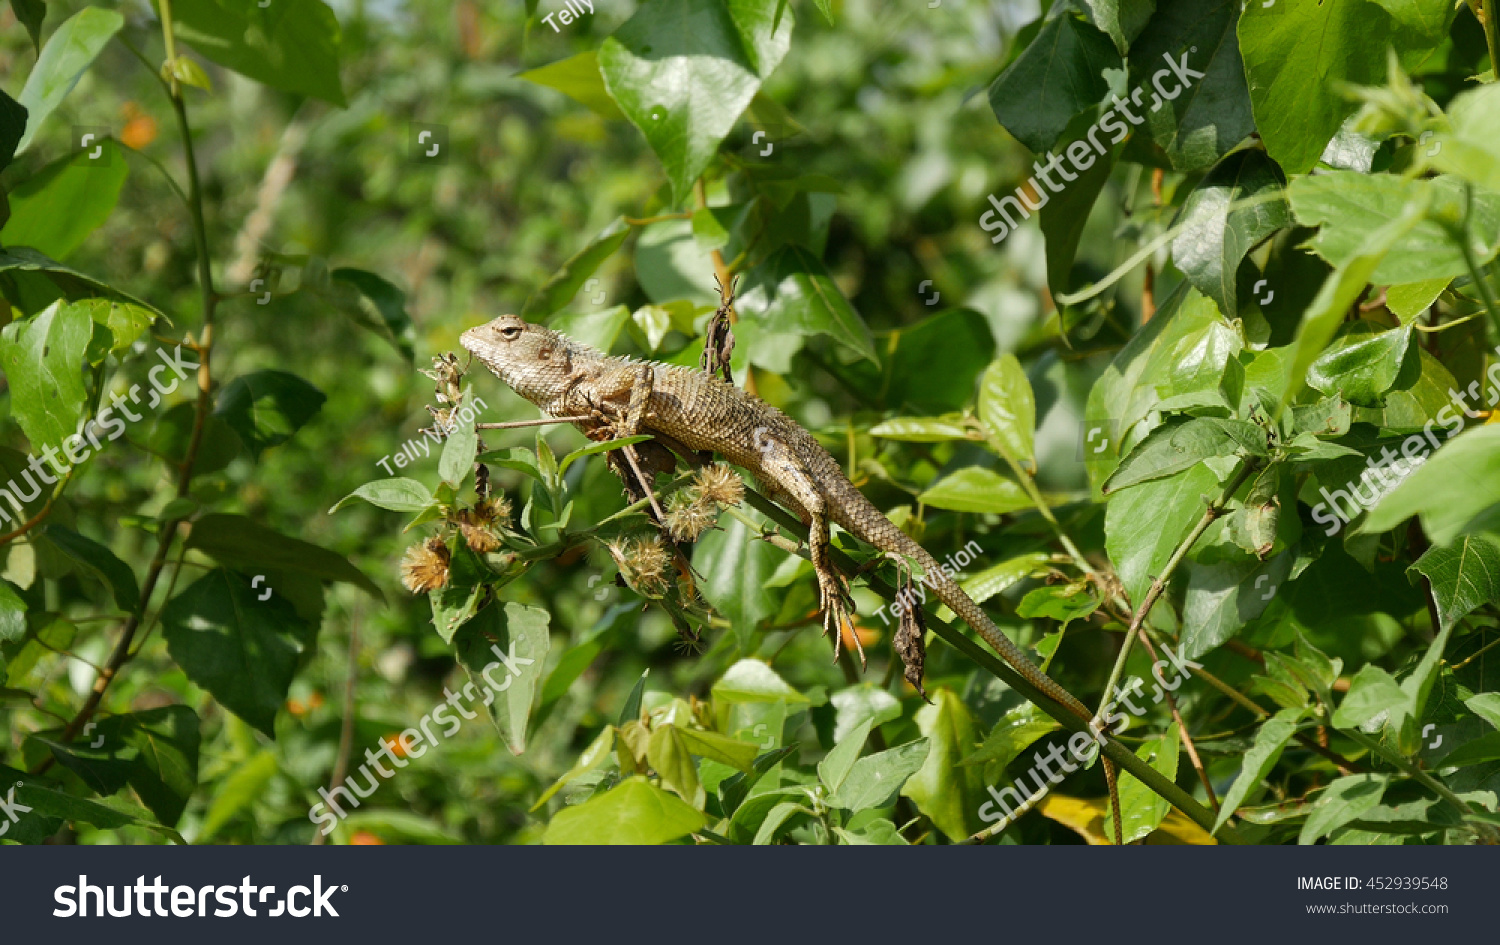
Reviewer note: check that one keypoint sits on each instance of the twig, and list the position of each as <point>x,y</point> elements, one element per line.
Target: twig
<point>1182,732</point>
<point>32,522</point>
<point>515,424</point>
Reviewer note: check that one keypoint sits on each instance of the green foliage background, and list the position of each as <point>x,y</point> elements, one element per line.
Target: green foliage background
<point>1135,403</point>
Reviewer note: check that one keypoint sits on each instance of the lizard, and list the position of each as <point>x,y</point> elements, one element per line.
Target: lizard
<point>690,412</point>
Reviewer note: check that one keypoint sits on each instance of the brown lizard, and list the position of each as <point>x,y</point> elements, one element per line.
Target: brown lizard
<point>688,411</point>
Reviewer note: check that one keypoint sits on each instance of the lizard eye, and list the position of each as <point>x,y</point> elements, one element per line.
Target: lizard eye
<point>511,333</point>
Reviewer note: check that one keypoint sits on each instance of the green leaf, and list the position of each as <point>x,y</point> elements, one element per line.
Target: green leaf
<point>1464,575</point>
<point>1454,486</point>
<point>238,542</point>
<point>682,71</point>
<point>946,791</point>
<point>1486,705</point>
<point>1481,750</point>
<point>1428,17</point>
<point>372,303</point>
<point>1215,238</point>
<point>1007,408</point>
<point>736,567</point>
<point>98,561</point>
<point>866,700</point>
<point>1295,51</point>
<point>875,778</point>
<point>1209,114</point>
<point>636,813</point>
<point>1141,809</point>
<point>41,279</point>
<point>597,753</point>
<point>1272,737</point>
<point>1050,601</point>
<point>56,208</point>
<point>720,748</point>
<point>1013,734</point>
<point>155,752</point>
<point>669,758</point>
<point>30,13</point>
<point>238,791</point>
<point>791,292</point>
<point>977,489</point>
<point>1343,801</point>
<point>62,62</point>
<point>240,648</point>
<point>1059,75</point>
<point>12,615</point>
<point>1413,298</point>
<point>123,322</point>
<point>1143,526</point>
<point>839,761</point>
<point>1348,206</point>
<point>578,78</point>
<point>1123,20</point>
<point>1345,284</point>
<point>752,681</point>
<point>922,429</point>
<point>12,127</point>
<point>42,357</point>
<point>960,339</point>
<point>50,809</point>
<point>1065,215</point>
<point>459,449</point>
<point>1371,693</point>
<point>293,47</point>
<point>504,649</point>
<point>267,407</point>
<point>775,820</point>
<point>1361,367</point>
<point>187,72</point>
<point>1177,446</point>
<point>395,494</point>
<point>559,290</point>
<point>600,447</point>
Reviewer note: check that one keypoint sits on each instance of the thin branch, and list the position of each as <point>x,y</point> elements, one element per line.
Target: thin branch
<point>346,731</point>
<point>516,424</point>
<point>36,519</point>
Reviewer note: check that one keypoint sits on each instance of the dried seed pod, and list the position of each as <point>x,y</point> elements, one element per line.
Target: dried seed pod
<point>424,567</point>
<point>911,640</point>
<point>720,484</point>
<point>689,515</point>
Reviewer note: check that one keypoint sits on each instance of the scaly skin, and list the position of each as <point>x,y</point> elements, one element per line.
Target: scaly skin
<point>688,410</point>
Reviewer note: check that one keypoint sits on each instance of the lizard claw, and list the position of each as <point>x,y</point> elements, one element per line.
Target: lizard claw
<point>838,610</point>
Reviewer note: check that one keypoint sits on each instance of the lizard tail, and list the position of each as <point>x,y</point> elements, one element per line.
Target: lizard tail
<point>879,531</point>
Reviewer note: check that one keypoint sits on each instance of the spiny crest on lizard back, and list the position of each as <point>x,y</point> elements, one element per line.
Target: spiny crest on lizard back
<point>538,363</point>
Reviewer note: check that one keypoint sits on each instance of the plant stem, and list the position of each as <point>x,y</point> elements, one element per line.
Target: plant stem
<point>167,532</point>
<point>1414,772</point>
<point>1492,37</point>
<point>1485,292</point>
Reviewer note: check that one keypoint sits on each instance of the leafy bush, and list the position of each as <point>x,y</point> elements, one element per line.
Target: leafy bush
<point>1213,437</point>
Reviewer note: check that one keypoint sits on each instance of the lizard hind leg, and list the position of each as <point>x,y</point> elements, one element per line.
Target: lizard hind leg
<point>833,592</point>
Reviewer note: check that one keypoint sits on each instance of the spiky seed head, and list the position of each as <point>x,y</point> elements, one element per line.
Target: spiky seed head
<point>718,483</point>
<point>493,510</point>
<point>689,514</point>
<point>425,566</point>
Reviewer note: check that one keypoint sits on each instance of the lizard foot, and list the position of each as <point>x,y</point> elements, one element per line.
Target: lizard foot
<point>838,610</point>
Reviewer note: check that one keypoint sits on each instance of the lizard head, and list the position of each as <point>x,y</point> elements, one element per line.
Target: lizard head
<point>536,362</point>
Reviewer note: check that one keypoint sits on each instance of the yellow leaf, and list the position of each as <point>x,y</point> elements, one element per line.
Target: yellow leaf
<point>1085,816</point>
